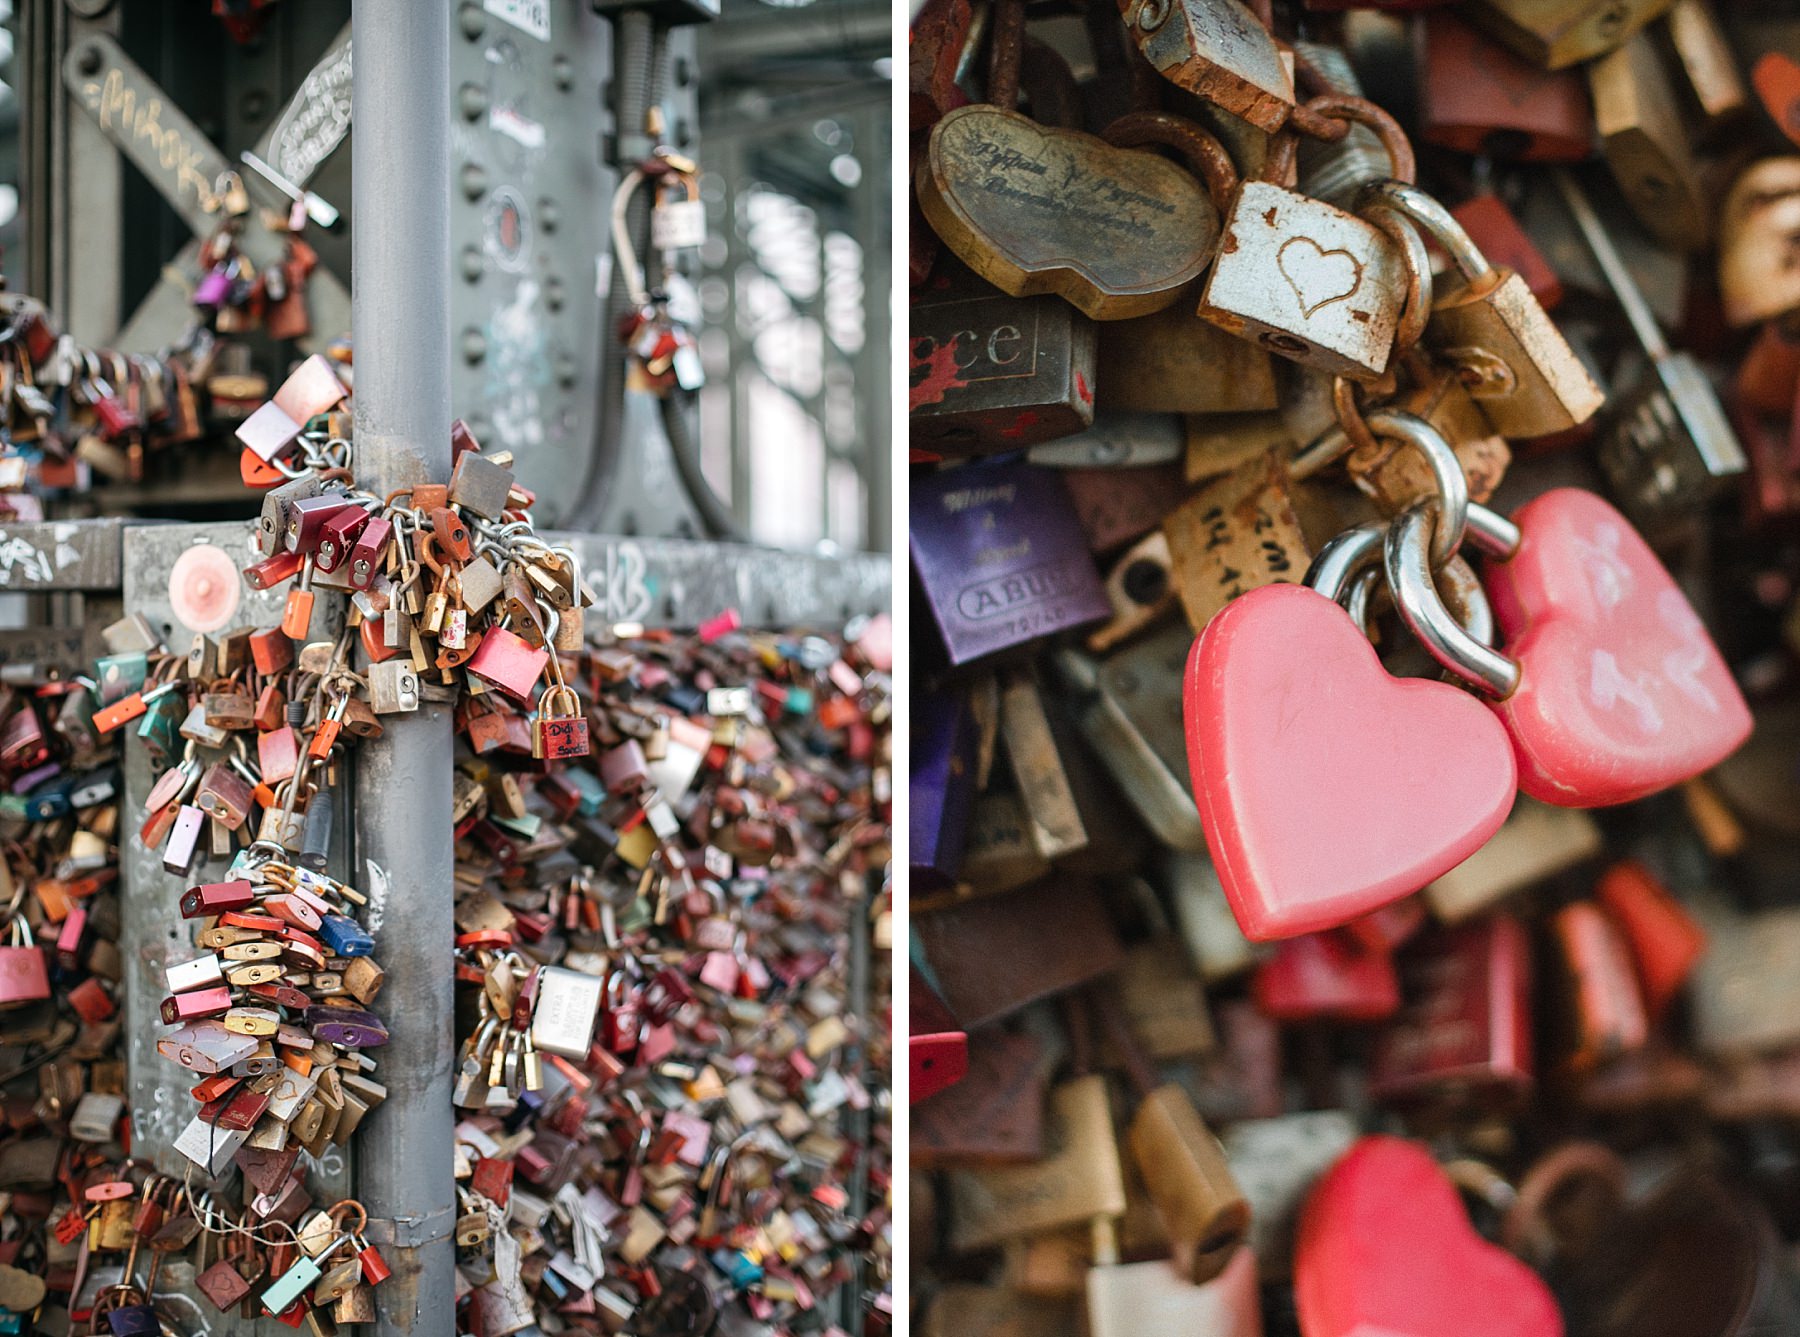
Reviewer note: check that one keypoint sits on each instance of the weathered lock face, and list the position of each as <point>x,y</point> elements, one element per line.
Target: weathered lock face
<point>1307,281</point>
<point>993,373</point>
<point>1034,209</point>
<point>1218,50</point>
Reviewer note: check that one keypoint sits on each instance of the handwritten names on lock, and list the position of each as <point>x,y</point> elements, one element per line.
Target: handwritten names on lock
<point>1235,535</point>
<point>1035,209</point>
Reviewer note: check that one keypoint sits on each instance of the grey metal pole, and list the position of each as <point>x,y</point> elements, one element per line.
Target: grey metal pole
<point>400,172</point>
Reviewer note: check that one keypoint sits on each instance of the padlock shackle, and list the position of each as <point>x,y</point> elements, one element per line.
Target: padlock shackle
<point>1406,554</point>
<point>1199,148</point>
<point>1426,212</point>
<point>1446,471</point>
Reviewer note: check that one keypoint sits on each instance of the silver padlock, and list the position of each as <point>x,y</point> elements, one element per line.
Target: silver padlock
<point>567,1006</point>
<point>95,1117</point>
<point>1305,279</point>
<point>676,224</point>
<point>207,1147</point>
<point>393,687</point>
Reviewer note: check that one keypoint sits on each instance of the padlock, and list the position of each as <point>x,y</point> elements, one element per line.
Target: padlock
<point>1486,324</point>
<point>1600,1006</point>
<point>1621,691</point>
<point>1555,34</point>
<point>1219,51</point>
<point>1670,444</point>
<point>1476,96</point>
<point>393,687</point>
<point>1037,209</point>
<point>508,662</point>
<point>1666,942</point>
<point>1279,685</point>
<point>479,486</point>
<point>1305,279</point>
<point>562,729</point>
<point>1464,1039</point>
<point>1423,1259</point>
<point>24,969</point>
<point>1759,223</point>
<point>988,372</point>
<point>998,551</point>
<point>1646,144</point>
<point>678,223</point>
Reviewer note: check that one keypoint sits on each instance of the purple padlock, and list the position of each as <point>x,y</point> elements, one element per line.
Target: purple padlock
<point>346,1026</point>
<point>213,290</point>
<point>999,553</point>
<point>133,1321</point>
<point>942,787</point>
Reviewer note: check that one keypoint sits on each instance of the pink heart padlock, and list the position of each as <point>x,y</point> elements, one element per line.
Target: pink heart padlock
<point>1386,1247</point>
<point>1622,692</point>
<point>1327,788</point>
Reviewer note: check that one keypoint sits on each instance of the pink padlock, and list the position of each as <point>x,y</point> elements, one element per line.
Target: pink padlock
<point>1622,693</point>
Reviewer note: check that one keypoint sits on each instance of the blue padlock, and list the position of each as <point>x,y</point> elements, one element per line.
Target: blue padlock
<point>344,936</point>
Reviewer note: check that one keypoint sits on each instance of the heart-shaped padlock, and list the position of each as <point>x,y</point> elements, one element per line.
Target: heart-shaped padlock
<point>1621,691</point>
<point>1326,787</point>
<point>1385,1246</point>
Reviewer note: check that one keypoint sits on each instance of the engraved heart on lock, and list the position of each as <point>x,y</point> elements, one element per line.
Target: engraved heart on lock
<point>1622,692</point>
<point>1318,277</point>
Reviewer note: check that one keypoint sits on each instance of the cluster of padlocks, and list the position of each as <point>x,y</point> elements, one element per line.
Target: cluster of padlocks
<point>77,417</point>
<point>671,921</point>
<point>1350,890</point>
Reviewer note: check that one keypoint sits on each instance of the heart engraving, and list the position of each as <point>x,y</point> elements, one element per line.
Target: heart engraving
<point>1327,788</point>
<point>1036,209</point>
<point>1318,277</point>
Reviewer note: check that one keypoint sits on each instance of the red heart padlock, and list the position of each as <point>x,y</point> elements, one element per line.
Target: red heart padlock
<point>1622,692</point>
<point>1326,787</point>
<point>1386,1247</point>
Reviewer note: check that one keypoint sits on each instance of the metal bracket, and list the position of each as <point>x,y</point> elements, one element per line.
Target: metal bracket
<point>411,1232</point>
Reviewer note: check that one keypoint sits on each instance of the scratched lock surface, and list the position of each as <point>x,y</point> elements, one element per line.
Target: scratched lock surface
<point>158,1089</point>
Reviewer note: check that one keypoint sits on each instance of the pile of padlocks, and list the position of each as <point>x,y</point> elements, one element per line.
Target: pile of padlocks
<point>69,413</point>
<point>670,914</point>
<point>673,1072</point>
<point>62,1077</point>
<point>1271,975</point>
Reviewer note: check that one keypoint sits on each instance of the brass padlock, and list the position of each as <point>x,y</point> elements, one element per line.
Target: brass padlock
<point>1039,209</point>
<point>1559,33</point>
<point>1646,142</point>
<point>1487,325</point>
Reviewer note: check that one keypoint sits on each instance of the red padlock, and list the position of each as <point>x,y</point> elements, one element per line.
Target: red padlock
<point>24,972</point>
<point>1326,977</point>
<point>1666,942</point>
